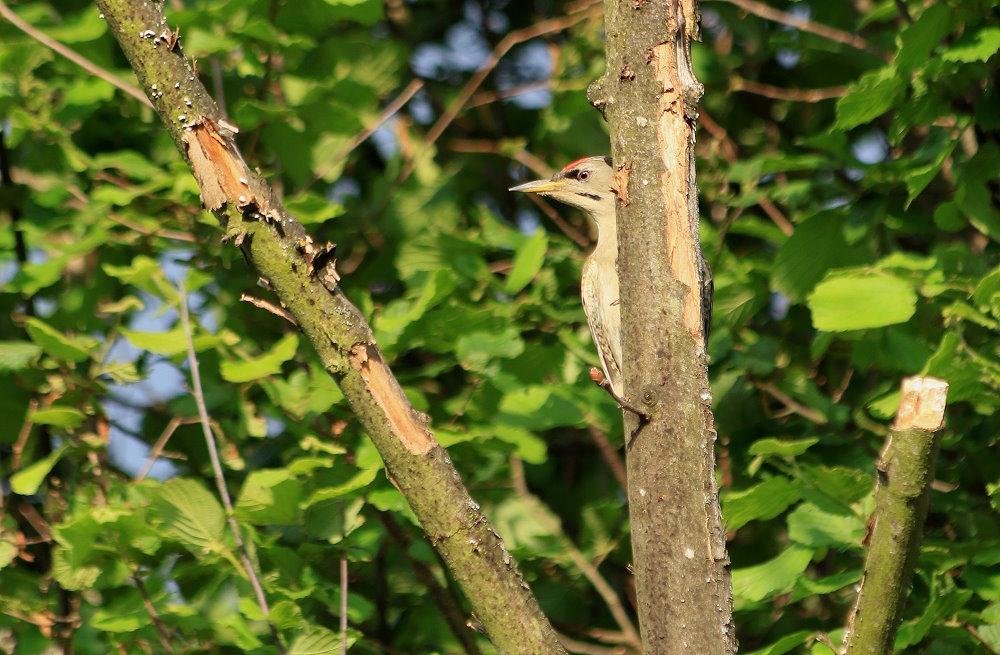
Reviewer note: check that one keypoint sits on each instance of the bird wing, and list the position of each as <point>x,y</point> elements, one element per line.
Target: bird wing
<point>600,304</point>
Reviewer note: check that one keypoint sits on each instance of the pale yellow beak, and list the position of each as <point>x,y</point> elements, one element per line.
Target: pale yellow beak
<point>538,186</point>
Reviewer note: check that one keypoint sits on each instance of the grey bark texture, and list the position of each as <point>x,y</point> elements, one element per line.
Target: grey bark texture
<point>649,97</point>
<point>302,276</point>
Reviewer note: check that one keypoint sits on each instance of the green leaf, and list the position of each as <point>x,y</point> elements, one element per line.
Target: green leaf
<point>787,643</point>
<point>399,315</point>
<point>928,161</point>
<point>269,497</point>
<point>755,583</point>
<point>27,481</point>
<point>84,26</point>
<point>140,272</point>
<point>59,416</point>
<point>974,45</point>
<point>17,355</point>
<point>811,526</point>
<point>312,208</point>
<point>478,349</point>
<point>8,551</point>
<point>72,574</point>
<point>526,444</point>
<point>760,502</point>
<point>885,407</point>
<point>121,306</point>
<point>263,366</point>
<point>360,480</point>
<point>32,277</point>
<point>817,246</point>
<point>527,262</point>
<point>918,39</point>
<point>316,641</point>
<point>58,345</point>
<point>127,613</point>
<point>191,514</point>
<point>782,447</point>
<point>835,488</point>
<point>285,615</point>
<point>857,300</point>
<point>129,163</point>
<point>871,96</point>
<point>170,342</point>
<point>541,407</point>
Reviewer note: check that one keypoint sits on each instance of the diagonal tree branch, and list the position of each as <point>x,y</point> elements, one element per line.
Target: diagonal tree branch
<point>302,276</point>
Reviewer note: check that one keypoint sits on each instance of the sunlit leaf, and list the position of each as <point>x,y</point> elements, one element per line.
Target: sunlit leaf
<point>267,364</point>
<point>191,515</point>
<point>855,301</point>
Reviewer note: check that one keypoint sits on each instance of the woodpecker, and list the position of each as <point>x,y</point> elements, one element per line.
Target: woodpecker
<point>587,184</point>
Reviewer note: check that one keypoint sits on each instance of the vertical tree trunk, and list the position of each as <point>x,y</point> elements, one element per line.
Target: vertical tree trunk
<point>649,96</point>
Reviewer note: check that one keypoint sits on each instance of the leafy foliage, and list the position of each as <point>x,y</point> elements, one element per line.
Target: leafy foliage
<point>853,240</point>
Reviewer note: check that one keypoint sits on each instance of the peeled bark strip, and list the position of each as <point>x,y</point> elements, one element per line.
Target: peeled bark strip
<point>303,278</point>
<point>649,97</point>
<point>902,496</point>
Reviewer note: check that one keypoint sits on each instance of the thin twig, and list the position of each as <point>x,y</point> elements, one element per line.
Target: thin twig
<point>988,644</point>
<point>534,164</point>
<point>737,83</point>
<point>213,454</point>
<point>903,11</point>
<point>443,597</point>
<point>584,565</point>
<point>567,229</point>
<point>36,521</point>
<point>489,97</point>
<point>390,110</point>
<point>217,87</point>
<point>583,648</point>
<point>610,455</point>
<point>166,234</point>
<point>343,603</point>
<point>512,39</point>
<point>801,23</point>
<point>521,156</point>
<point>161,442</point>
<point>22,437</point>
<point>842,389</point>
<point>161,629</point>
<point>268,306</point>
<point>731,152</point>
<point>791,405</point>
<point>77,59</point>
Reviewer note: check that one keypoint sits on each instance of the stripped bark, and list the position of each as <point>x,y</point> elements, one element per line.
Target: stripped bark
<point>902,496</point>
<point>303,277</point>
<point>649,97</point>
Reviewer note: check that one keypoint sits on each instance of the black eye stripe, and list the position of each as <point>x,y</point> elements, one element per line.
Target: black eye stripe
<point>577,174</point>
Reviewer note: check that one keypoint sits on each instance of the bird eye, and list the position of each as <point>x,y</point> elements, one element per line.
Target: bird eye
<point>584,176</point>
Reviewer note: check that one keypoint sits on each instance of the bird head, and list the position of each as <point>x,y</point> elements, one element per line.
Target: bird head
<point>584,183</point>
